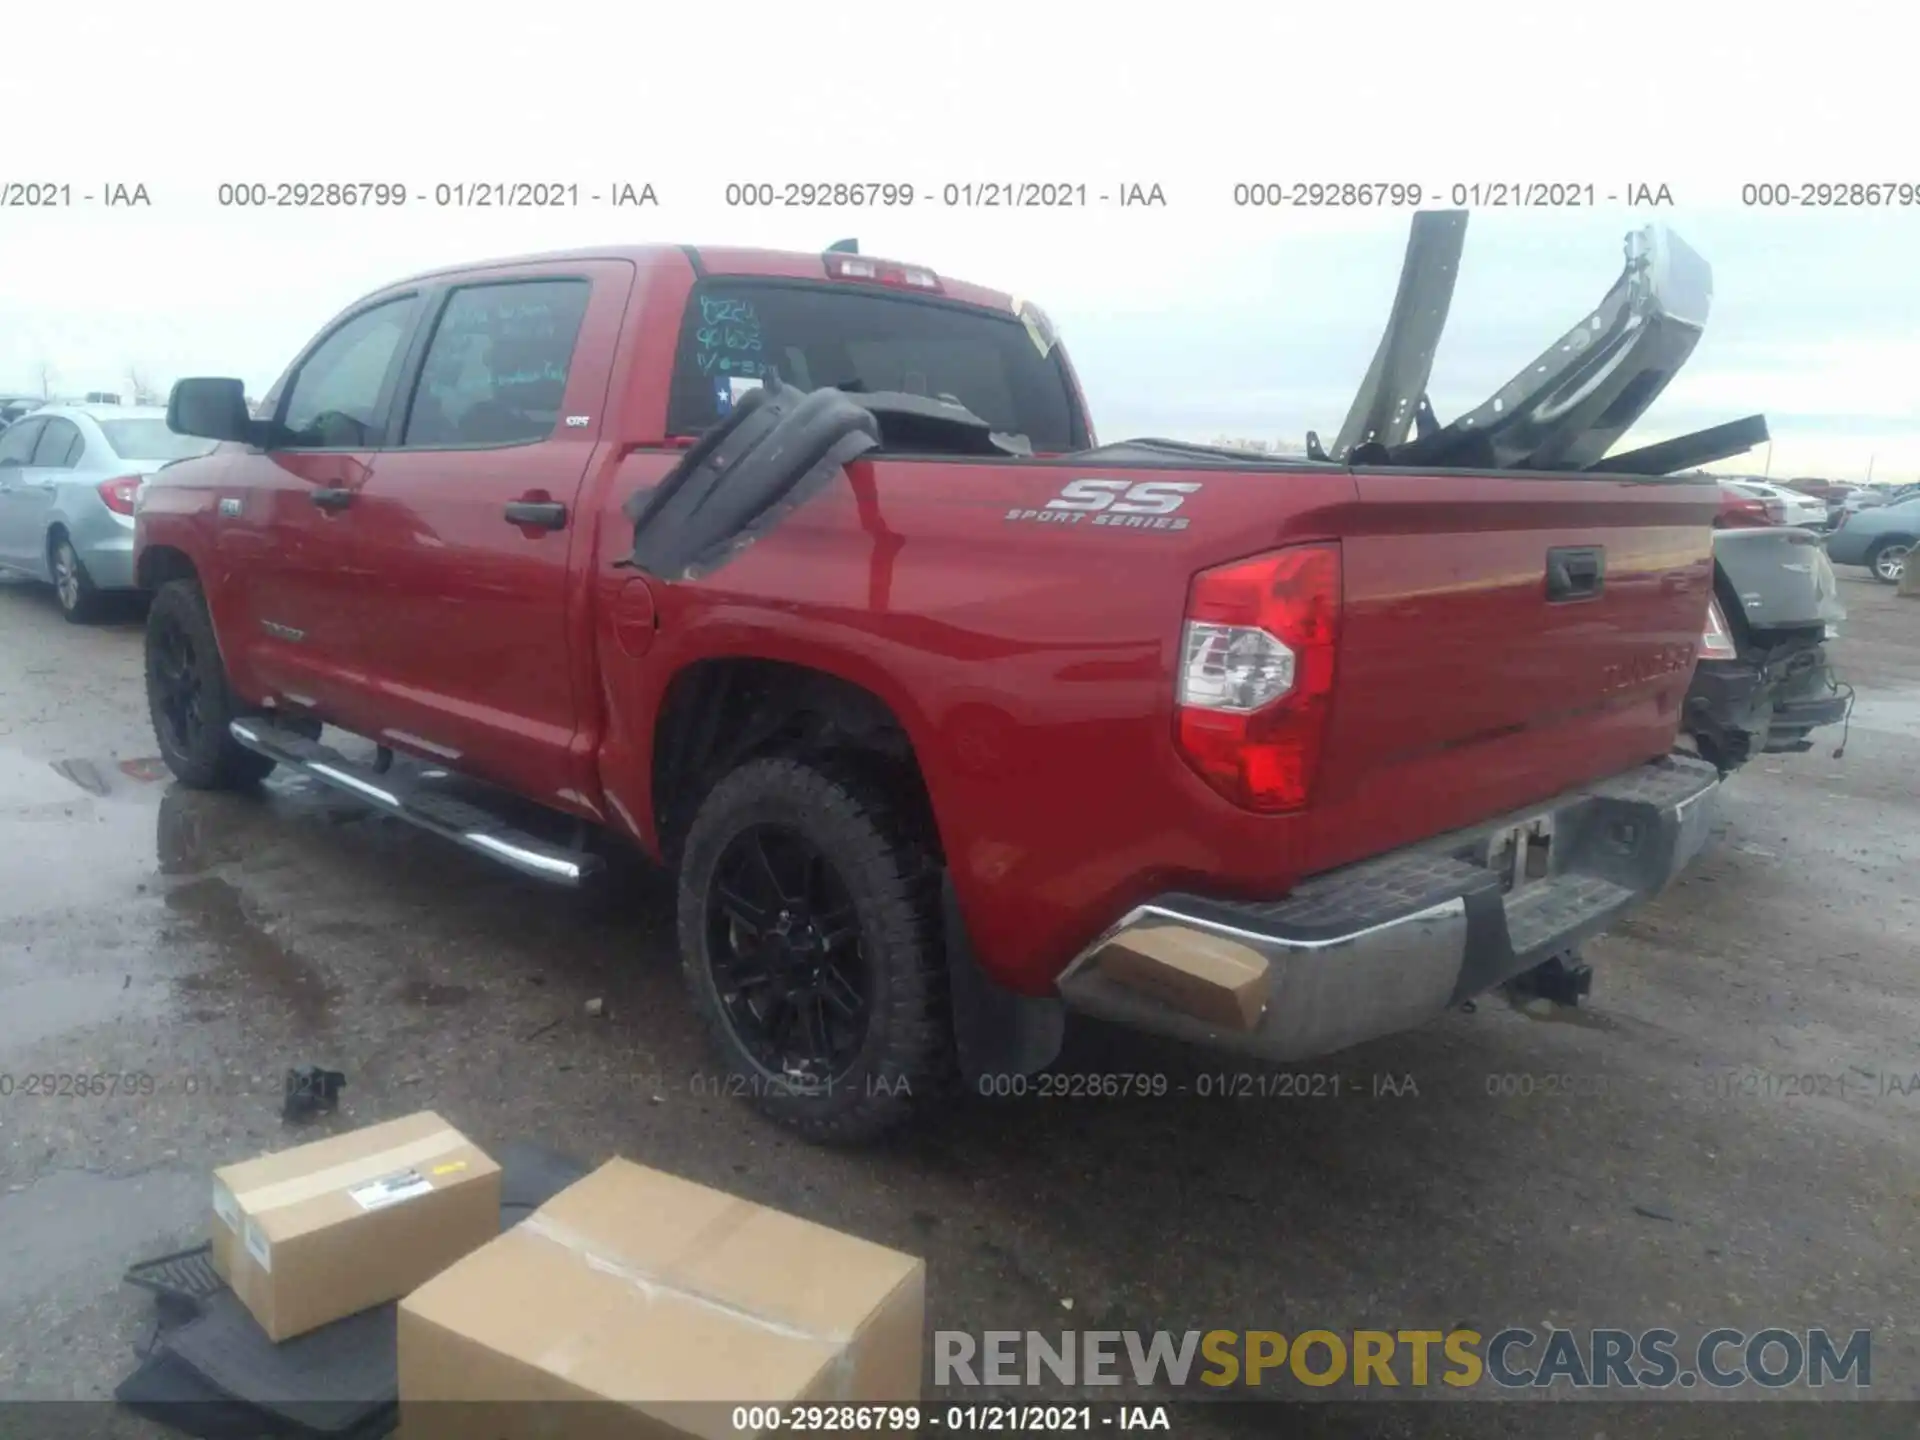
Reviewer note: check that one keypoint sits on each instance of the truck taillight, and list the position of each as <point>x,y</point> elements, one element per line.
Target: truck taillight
<point>119,495</point>
<point>881,272</point>
<point>1716,641</point>
<point>1256,674</point>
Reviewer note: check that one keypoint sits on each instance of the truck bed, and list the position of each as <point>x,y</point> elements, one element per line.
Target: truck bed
<point>1030,639</point>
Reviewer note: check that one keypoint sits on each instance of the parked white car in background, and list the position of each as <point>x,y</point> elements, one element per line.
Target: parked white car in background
<point>12,407</point>
<point>1793,508</point>
<point>68,478</point>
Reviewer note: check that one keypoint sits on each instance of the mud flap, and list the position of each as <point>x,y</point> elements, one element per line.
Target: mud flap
<point>776,450</point>
<point>995,1032</point>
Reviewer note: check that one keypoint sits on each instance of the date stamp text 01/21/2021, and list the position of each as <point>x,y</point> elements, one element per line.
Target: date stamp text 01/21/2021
<point>1206,1085</point>
<point>980,193</point>
<point>993,1417</point>
<point>1070,1085</point>
<point>1736,1084</point>
<point>57,192</point>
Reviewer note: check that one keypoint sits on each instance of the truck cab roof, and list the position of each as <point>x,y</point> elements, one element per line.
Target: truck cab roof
<point>708,260</point>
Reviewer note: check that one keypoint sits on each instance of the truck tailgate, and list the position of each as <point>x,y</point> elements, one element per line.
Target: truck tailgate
<point>1504,637</point>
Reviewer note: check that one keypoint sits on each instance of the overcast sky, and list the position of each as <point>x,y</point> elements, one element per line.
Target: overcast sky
<point>1194,320</point>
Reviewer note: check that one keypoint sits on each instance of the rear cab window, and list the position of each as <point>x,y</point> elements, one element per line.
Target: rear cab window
<point>736,332</point>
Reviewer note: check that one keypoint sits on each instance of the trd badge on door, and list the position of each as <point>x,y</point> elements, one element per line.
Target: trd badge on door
<point>230,507</point>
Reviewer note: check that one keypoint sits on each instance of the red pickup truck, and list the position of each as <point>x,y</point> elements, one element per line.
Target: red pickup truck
<point>805,575</point>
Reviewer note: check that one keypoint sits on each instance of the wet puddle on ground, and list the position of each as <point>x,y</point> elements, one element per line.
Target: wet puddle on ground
<point>252,965</point>
<point>111,911</point>
<point>66,843</point>
<point>77,900</point>
<point>37,1006</point>
<point>75,1221</point>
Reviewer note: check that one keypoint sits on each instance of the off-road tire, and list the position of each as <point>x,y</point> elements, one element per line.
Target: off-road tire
<point>205,756</point>
<point>906,1061</point>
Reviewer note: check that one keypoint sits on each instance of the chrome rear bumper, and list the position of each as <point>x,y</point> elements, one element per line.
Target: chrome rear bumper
<point>1385,945</point>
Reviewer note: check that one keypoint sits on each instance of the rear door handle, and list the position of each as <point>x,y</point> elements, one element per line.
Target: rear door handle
<point>1575,572</point>
<point>332,499</point>
<point>540,514</point>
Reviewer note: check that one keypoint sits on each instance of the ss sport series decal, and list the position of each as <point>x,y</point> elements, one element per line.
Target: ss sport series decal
<point>1116,504</point>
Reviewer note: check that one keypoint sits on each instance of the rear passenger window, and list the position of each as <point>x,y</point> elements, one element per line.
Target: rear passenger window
<point>496,370</point>
<point>60,445</point>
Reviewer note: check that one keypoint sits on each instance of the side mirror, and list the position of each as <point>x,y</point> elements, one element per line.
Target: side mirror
<point>213,409</point>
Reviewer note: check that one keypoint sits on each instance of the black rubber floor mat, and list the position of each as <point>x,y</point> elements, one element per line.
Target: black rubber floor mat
<point>186,1275</point>
<point>218,1375</point>
<point>531,1175</point>
<point>328,1381</point>
<point>169,1391</point>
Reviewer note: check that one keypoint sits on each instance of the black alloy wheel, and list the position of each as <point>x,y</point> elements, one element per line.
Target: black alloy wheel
<point>811,943</point>
<point>173,679</point>
<point>789,971</point>
<point>188,698</point>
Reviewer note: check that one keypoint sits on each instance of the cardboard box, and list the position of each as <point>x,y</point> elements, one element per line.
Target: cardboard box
<point>657,1298</point>
<point>1206,976</point>
<point>322,1231</point>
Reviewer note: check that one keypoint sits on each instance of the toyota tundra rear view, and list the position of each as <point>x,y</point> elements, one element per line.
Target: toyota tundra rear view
<point>805,576</point>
